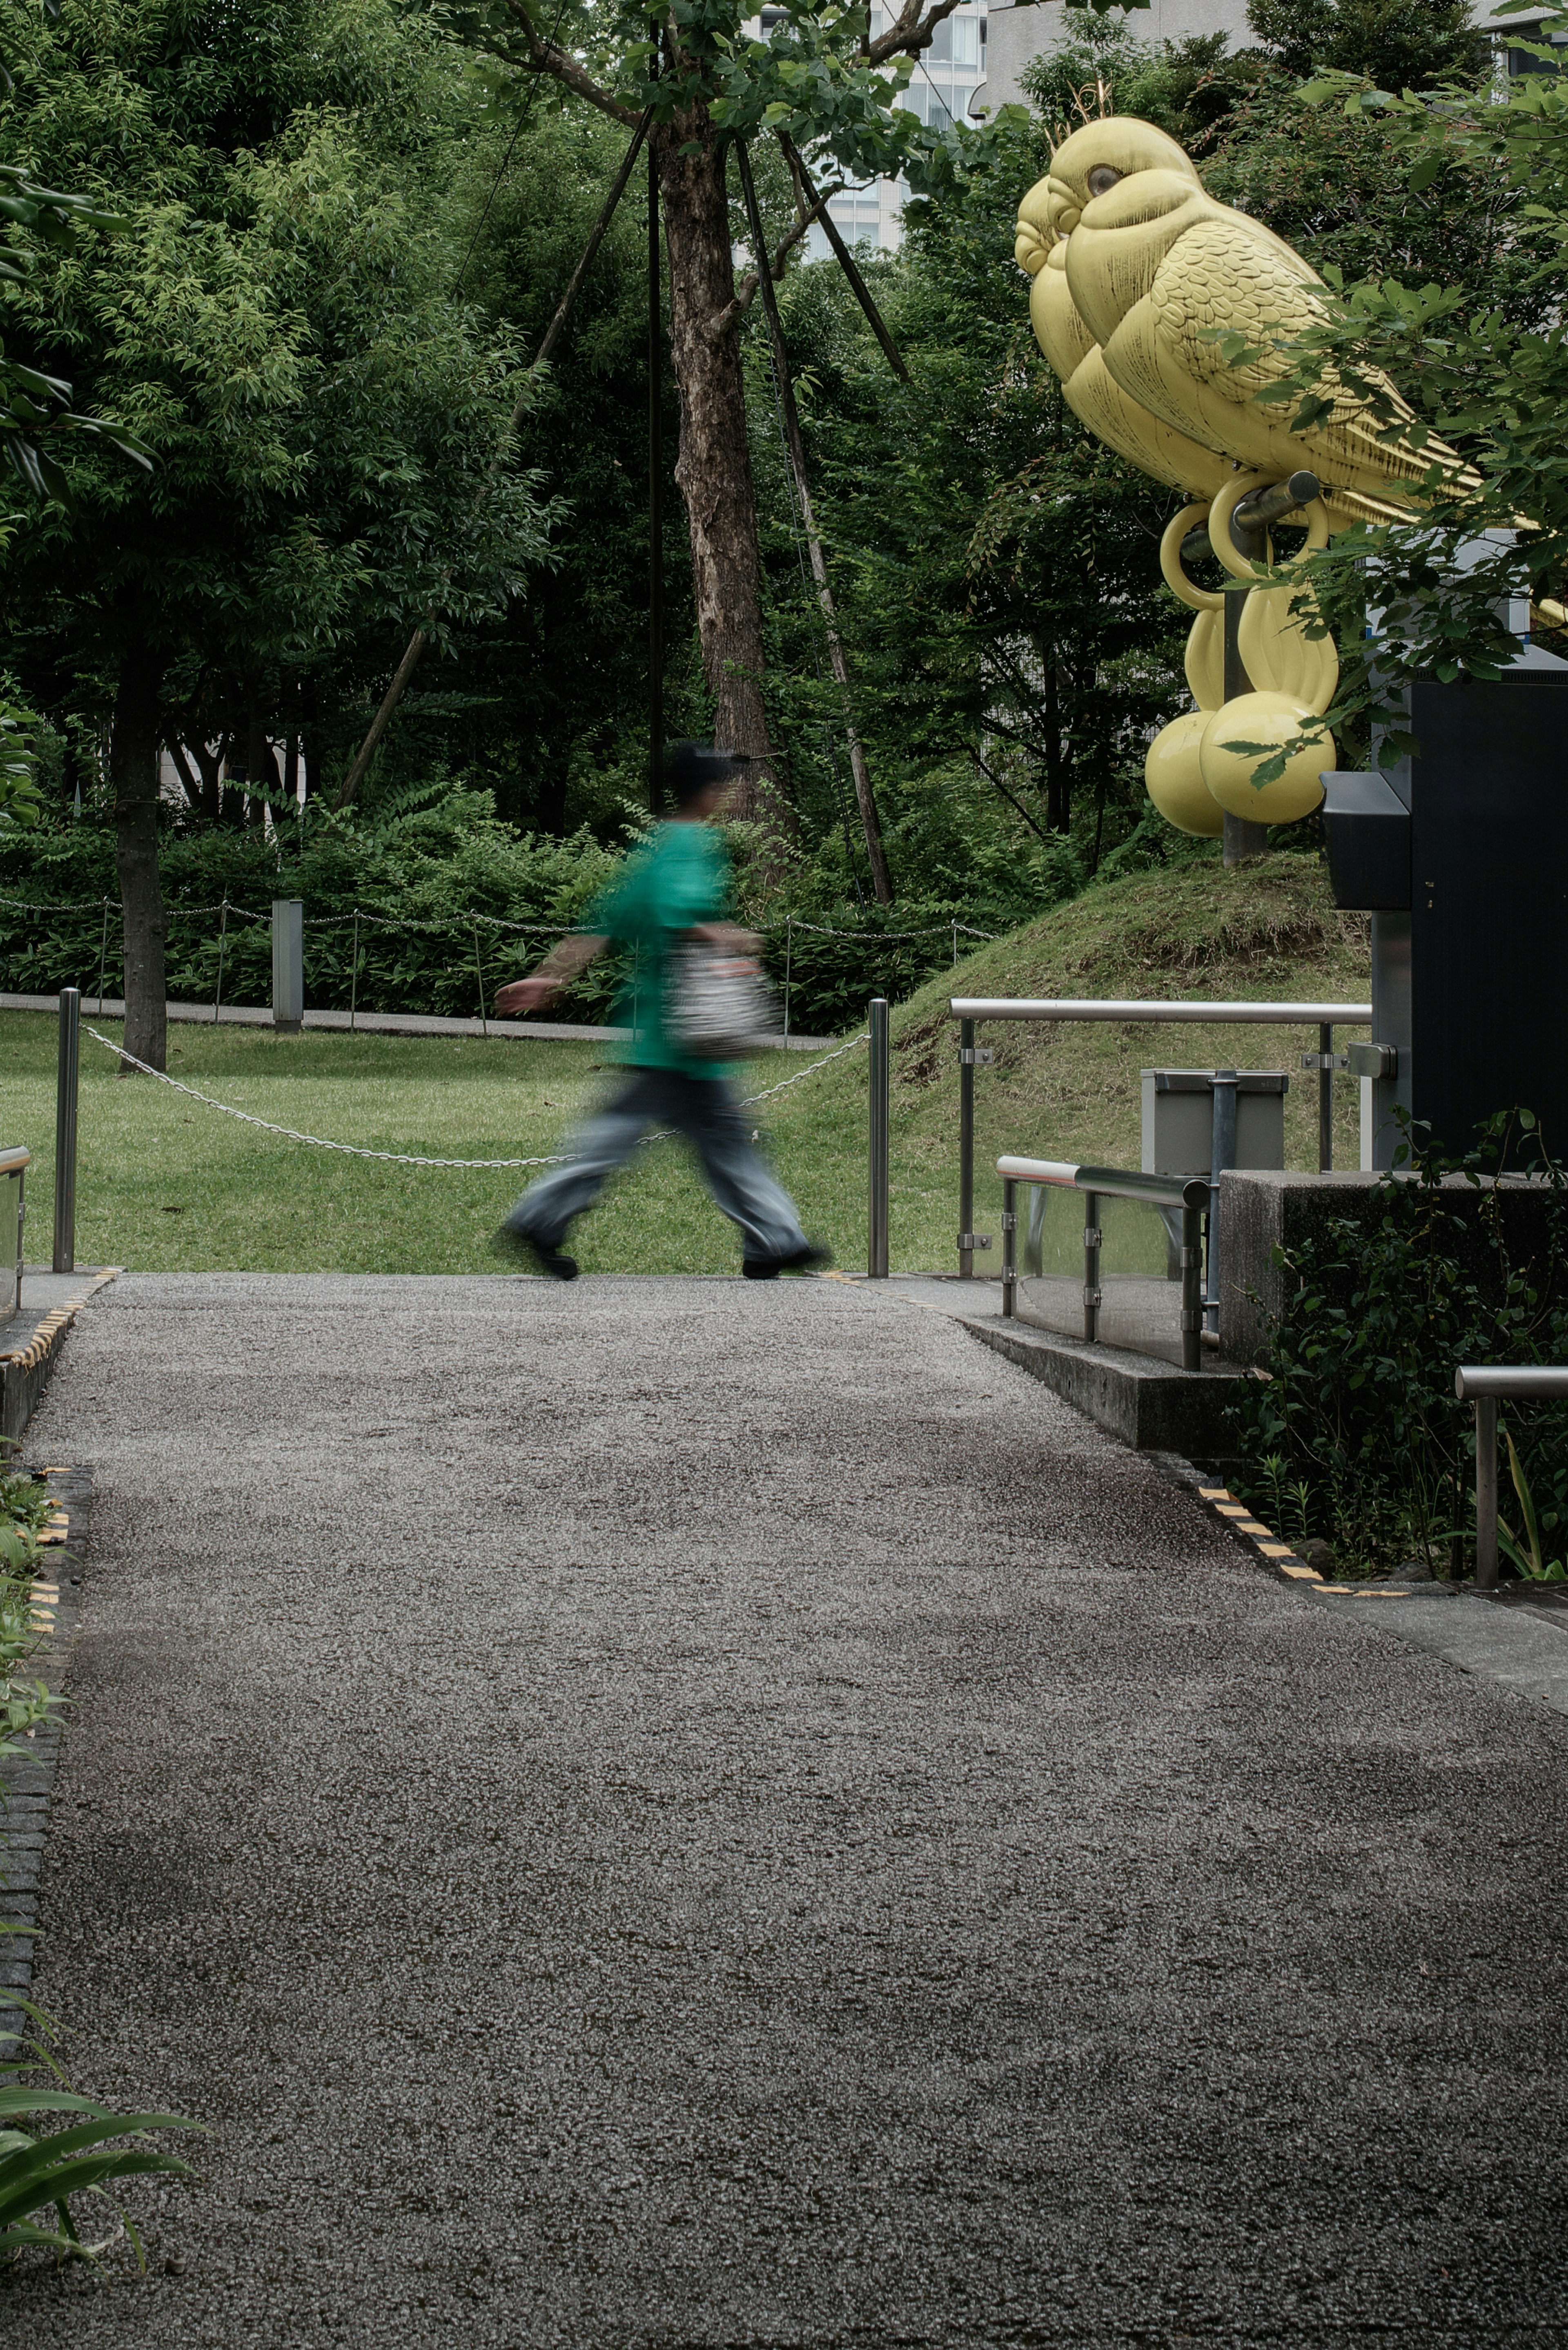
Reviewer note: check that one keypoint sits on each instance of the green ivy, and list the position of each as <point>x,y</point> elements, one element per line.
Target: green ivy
<point>1355,1417</point>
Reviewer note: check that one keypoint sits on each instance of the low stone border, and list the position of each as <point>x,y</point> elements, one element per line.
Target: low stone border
<point>1280,1560</point>
<point>25,1371</point>
<point>26,1781</point>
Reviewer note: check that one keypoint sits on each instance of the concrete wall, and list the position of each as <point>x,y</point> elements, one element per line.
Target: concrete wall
<point>1013,35</point>
<point>1262,1212</point>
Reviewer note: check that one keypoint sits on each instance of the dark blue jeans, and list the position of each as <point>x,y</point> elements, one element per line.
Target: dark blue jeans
<point>704,1111</point>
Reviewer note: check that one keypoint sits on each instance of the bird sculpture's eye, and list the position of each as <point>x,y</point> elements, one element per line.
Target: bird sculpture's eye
<point>1103,179</point>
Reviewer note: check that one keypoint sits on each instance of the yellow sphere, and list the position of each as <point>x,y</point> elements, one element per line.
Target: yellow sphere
<point>1273,719</point>
<point>1172,771</point>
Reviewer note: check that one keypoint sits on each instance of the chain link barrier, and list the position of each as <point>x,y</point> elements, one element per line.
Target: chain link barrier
<point>466,921</point>
<point>413,1159</point>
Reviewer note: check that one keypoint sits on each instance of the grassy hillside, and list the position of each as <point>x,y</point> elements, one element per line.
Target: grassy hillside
<point>1266,930</point>
<point>164,1184</point>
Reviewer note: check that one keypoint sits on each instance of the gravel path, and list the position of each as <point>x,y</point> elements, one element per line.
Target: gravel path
<point>687,1813</point>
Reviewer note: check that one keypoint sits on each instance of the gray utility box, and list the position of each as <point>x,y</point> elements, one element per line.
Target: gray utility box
<point>1178,1120</point>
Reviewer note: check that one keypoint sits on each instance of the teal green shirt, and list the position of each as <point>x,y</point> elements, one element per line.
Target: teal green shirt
<point>679,876</point>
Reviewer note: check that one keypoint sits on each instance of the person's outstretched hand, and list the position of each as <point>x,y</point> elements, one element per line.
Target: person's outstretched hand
<point>523,995</point>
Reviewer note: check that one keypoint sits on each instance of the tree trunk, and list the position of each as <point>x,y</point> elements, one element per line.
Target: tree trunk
<point>1058,770</point>
<point>133,772</point>
<point>713,471</point>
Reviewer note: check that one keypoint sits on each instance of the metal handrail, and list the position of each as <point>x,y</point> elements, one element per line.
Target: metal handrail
<point>16,1161</point>
<point>969,1009</point>
<point>1189,1192</point>
<point>1160,1191</point>
<point>1481,1384</point>
<point>1109,1007</point>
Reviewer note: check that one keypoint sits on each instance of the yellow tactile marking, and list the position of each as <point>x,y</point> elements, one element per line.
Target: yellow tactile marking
<point>58,1318</point>
<point>1276,1555</point>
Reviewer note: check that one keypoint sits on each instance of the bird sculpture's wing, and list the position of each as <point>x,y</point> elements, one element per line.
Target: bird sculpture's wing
<point>1098,400</point>
<point>1228,275</point>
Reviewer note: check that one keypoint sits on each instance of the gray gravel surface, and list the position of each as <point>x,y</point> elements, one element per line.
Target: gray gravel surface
<point>684,1813</point>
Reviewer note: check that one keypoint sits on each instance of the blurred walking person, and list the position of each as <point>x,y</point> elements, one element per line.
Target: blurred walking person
<point>673,890</point>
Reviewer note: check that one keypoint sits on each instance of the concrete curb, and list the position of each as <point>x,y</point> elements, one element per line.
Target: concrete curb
<point>27,1780</point>
<point>379,1023</point>
<point>1151,1405</point>
<point>25,1372</point>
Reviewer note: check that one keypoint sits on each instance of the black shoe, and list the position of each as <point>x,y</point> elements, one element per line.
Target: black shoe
<point>510,1242</point>
<point>768,1268</point>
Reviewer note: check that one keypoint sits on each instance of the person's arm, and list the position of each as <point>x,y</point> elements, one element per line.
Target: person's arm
<point>563,962</point>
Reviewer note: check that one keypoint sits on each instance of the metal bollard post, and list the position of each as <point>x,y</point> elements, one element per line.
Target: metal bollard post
<point>966,1152</point>
<point>876,1249</point>
<point>1092,1237</point>
<point>1486,1493</point>
<point>1009,1244</point>
<point>67,1075</point>
<point>287,965</point>
<point>1325,1098</point>
<point>1191,1288</point>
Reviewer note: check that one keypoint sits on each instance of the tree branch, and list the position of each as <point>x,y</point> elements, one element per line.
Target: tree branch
<point>1016,804</point>
<point>545,55</point>
<point>746,288</point>
<point>909,32</point>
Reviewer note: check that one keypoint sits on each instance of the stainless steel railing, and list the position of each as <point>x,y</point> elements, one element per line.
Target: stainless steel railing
<point>13,1166</point>
<point>1190,1194</point>
<point>969,1009</point>
<point>1483,1384</point>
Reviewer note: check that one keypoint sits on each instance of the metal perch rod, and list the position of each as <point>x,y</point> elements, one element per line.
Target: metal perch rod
<point>1256,512</point>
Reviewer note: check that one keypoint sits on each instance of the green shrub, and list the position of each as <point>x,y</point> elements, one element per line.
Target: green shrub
<point>1355,1434</point>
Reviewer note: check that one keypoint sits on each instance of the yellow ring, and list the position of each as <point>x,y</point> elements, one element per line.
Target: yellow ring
<point>1226,501</point>
<point>1185,590</point>
<point>1241,485</point>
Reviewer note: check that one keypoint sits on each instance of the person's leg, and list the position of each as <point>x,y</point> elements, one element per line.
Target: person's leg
<point>705,1111</point>
<point>542,1215</point>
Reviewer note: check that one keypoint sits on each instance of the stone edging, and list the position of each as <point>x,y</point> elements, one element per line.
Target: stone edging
<point>27,1780</point>
<point>25,1370</point>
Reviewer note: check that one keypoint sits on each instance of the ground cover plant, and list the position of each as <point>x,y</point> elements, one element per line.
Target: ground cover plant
<point>44,2174</point>
<point>164,1184</point>
<point>1356,1435</point>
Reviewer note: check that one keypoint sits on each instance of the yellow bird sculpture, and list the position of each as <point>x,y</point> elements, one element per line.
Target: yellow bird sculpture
<point>1153,265</point>
<point>1136,273</point>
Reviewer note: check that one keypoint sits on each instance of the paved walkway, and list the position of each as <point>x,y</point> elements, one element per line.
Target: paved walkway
<point>686,1814</point>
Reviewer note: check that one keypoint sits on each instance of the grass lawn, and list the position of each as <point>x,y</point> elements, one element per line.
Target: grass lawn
<point>164,1184</point>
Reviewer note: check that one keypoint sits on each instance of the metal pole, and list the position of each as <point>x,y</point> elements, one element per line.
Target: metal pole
<point>966,1151</point>
<point>287,965</point>
<point>479,974</point>
<point>955,946</point>
<point>1486,1493</point>
<point>1325,1098</point>
<point>789,957</point>
<point>1192,1289</point>
<point>222,943</point>
<point>1092,1237</point>
<point>876,1253</point>
<point>102,958</point>
<point>65,1130</point>
<point>353,974</point>
<point>1223,1154</point>
<point>1242,839</point>
<point>655,499</point>
<point>1009,1244</point>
